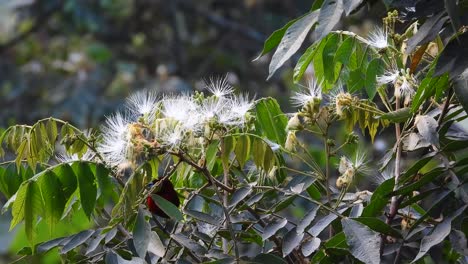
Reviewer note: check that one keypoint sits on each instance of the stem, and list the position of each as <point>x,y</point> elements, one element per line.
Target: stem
<point>394,202</point>
<point>327,171</point>
<point>445,108</point>
<point>225,194</point>
<point>225,210</point>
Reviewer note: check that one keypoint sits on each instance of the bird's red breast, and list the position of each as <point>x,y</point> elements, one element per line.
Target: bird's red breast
<point>165,190</point>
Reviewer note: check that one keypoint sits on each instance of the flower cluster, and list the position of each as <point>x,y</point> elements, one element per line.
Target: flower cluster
<point>172,122</point>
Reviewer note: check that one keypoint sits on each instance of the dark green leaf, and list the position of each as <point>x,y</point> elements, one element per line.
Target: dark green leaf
<point>98,236</point>
<point>268,259</point>
<point>460,87</point>
<point>343,54</point>
<point>114,258</point>
<point>67,179</point>
<point>378,226</point>
<point>427,32</point>
<point>141,233</point>
<point>328,54</point>
<point>427,178</point>
<point>54,199</point>
<point>305,60</point>
<point>167,207</point>
<point>242,149</point>
<point>307,220</point>
<point>375,68</point>
<point>350,5</point>
<point>48,245</point>
<point>438,233</point>
<point>379,199</point>
<point>273,227</point>
<point>189,244</point>
<point>210,219</point>
<point>310,246</point>
<point>292,41</point>
<point>397,116</point>
<point>329,16</point>
<point>239,195</point>
<point>87,186</point>
<point>291,240</point>
<point>77,240</point>
<point>104,182</point>
<point>454,57</point>
<point>284,203</point>
<point>363,243</point>
<point>271,120</point>
<point>274,39</point>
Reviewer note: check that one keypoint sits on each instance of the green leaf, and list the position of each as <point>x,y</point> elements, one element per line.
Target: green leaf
<point>375,68</point>
<point>271,121</point>
<point>356,80</point>
<point>416,166</point>
<point>207,218</point>
<point>27,206</point>
<point>242,149</point>
<point>427,178</point>
<point>330,14</point>
<point>268,258</point>
<point>141,233</point>
<point>87,186</point>
<point>379,199</point>
<point>291,240</point>
<point>273,227</point>
<point>363,243</point>
<point>328,54</point>
<point>284,203</point>
<point>438,233</point>
<point>53,197</point>
<point>228,146</point>
<point>10,181</point>
<point>378,226</point>
<point>104,182</point>
<point>275,38</point>
<point>292,41</point>
<point>258,151</point>
<point>239,195</point>
<point>305,60</point>
<point>167,207</point>
<point>67,179</point>
<point>343,54</point>
<point>397,116</point>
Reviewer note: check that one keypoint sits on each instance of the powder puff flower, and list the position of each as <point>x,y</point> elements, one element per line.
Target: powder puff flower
<point>66,157</point>
<point>234,110</point>
<point>219,87</point>
<point>142,102</point>
<point>389,76</point>
<point>378,38</point>
<point>116,139</point>
<point>212,108</point>
<point>183,109</point>
<point>314,91</point>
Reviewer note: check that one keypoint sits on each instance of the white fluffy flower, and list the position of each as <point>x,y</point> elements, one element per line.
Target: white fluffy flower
<point>389,76</point>
<point>183,109</point>
<point>212,108</point>
<point>116,139</point>
<point>378,38</point>
<point>314,91</point>
<point>234,110</point>
<point>66,157</point>
<point>219,87</point>
<point>142,102</point>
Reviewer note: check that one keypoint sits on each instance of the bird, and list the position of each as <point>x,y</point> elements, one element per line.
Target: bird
<point>165,190</point>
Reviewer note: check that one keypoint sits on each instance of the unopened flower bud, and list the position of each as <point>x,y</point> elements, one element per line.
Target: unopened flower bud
<point>294,123</point>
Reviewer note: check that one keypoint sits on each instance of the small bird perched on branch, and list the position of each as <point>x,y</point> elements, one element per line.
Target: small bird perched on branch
<point>165,190</point>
